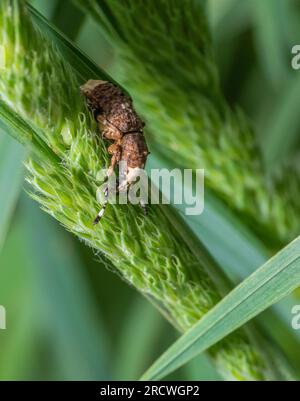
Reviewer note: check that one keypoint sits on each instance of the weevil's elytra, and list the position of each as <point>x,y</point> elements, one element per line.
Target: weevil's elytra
<point>118,122</point>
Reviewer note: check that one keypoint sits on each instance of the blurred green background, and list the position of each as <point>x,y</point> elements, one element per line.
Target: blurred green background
<point>68,315</point>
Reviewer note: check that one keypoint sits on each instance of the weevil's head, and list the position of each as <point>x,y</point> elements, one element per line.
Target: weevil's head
<point>90,85</point>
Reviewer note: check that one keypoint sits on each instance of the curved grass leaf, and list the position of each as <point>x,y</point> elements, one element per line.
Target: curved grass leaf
<point>84,67</point>
<point>240,254</point>
<point>46,7</point>
<point>20,130</point>
<point>69,18</point>
<point>270,283</point>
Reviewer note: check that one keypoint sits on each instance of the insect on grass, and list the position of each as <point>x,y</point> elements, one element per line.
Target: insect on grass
<point>118,122</point>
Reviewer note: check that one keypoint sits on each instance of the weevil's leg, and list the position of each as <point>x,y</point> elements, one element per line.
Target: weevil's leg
<point>115,150</point>
<point>144,207</point>
<point>123,186</point>
<point>128,177</point>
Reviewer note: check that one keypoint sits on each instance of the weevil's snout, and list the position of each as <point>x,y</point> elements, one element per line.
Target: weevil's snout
<point>87,88</point>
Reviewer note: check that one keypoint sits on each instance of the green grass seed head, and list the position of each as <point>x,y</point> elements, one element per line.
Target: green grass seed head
<point>42,89</point>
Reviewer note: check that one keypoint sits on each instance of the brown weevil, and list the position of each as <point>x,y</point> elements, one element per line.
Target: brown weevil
<point>118,122</point>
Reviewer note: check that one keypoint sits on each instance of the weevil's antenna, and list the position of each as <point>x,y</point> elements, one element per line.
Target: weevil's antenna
<point>101,213</point>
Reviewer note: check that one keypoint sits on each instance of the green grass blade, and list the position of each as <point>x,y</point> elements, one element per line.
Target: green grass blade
<point>19,129</point>
<point>68,18</point>
<point>11,156</point>
<point>239,253</point>
<point>46,7</point>
<point>84,67</point>
<point>270,283</point>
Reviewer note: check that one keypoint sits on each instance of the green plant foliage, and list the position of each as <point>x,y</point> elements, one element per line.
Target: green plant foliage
<point>267,285</point>
<point>177,89</point>
<point>41,106</point>
<point>226,236</point>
